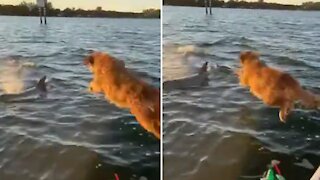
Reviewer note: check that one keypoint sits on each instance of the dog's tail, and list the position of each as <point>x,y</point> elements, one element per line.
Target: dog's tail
<point>204,68</point>
<point>296,92</point>
<point>308,99</point>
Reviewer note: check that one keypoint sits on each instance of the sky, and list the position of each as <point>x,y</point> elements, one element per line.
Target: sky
<point>117,5</point>
<point>121,5</point>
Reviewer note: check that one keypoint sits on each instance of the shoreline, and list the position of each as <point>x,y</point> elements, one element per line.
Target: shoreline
<point>94,17</point>
<point>302,10</point>
<point>308,6</point>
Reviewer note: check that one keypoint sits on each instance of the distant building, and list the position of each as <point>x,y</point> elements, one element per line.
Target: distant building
<point>260,1</point>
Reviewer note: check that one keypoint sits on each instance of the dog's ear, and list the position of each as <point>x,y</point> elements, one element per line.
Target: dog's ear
<point>255,55</point>
<point>89,60</point>
<point>243,56</point>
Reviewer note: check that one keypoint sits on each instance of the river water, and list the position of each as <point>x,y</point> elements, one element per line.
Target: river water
<point>220,131</point>
<point>72,134</point>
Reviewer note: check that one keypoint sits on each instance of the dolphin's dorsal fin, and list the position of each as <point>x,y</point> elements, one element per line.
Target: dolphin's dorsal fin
<point>41,86</point>
<point>204,68</point>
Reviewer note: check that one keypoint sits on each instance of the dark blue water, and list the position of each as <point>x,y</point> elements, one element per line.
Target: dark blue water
<point>221,131</point>
<point>72,134</point>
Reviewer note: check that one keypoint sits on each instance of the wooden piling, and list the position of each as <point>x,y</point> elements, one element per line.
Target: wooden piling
<point>210,6</point>
<point>206,5</point>
<point>40,15</point>
<point>45,15</point>
<point>42,5</point>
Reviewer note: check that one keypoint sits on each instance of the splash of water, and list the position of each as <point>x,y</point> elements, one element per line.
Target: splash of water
<point>181,61</point>
<point>185,49</point>
<point>11,77</point>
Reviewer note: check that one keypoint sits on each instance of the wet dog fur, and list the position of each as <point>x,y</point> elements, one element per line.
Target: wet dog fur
<point>273,87</point>
<point>125,90</point>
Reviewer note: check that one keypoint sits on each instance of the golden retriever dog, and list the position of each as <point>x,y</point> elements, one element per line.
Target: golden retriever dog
<point>273,87</point>
<point>124,90</point>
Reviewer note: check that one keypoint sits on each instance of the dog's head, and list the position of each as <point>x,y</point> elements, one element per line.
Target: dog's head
<point>99,62</point>
<point>248,57</point>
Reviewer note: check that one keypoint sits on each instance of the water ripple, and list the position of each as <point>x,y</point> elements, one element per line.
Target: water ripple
<point>220,131</point>
<point>73,134</point>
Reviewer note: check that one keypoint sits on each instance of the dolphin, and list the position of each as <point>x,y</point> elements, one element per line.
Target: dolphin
<point>41,87</point>
<point>204,68</point>
<point>196,80</point>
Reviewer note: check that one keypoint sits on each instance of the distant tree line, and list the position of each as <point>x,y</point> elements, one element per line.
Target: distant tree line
<point>244,4</point>
<point>31,9</point>
<point>311,5</point>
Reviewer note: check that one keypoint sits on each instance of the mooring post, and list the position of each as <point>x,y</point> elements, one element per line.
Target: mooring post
<point>45,15</point>
<point>210,6</point>
<point>206,5</point>
<point>40,15</point>
<point>42,5</point>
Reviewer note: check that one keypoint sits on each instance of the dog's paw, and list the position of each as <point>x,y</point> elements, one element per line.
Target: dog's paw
<point>282,119</point>
<point>283,116</point>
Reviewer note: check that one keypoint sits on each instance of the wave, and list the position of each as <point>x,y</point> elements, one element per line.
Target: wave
<point>286,60</point>
<point>33,42</point>
<point>65,162</point>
